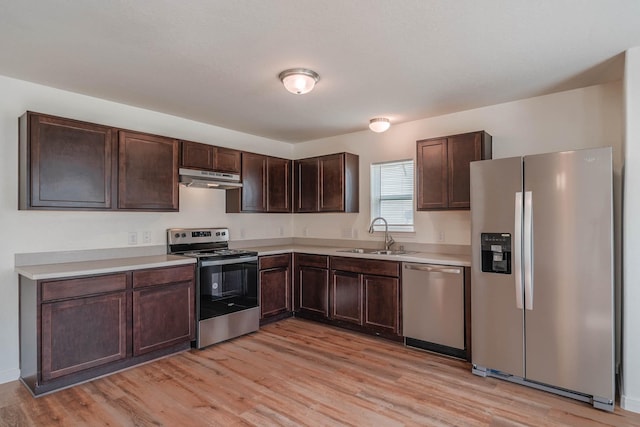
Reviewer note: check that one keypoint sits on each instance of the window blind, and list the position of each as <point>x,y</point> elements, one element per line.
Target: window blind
<point>392,192</point>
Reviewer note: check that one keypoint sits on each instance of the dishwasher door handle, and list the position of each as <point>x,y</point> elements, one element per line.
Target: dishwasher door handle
<point>433,268</point>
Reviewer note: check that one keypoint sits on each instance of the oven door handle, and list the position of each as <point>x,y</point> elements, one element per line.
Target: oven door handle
<point>227,261</point>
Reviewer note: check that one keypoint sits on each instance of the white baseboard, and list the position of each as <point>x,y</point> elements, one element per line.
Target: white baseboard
<point>9,375</point>
<point>630,404</point>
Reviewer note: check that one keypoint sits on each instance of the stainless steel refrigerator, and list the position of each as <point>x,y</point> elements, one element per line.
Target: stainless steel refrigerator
<point>542,303</point>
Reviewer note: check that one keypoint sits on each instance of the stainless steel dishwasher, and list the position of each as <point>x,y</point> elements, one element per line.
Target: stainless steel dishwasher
<point>433,308</point>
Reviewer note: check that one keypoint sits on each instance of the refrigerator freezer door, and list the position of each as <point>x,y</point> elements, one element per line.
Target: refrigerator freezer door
<point>496,320</point>
<point>569,331</point>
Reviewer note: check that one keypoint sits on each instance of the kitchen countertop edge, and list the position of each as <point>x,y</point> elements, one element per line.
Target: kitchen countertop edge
<point>86,268</point>
<point>417,257</point>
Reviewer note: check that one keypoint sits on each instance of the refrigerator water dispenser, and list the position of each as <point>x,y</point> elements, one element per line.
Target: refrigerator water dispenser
<point>496,252</point>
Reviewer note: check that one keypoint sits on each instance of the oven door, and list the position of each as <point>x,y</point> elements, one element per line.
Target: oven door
<point>227,286</point>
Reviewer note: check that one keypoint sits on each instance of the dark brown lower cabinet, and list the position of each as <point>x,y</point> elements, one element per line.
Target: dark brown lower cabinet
<point>314,290</point>
<point>163,308</point>
<point>346,297</point>
<point>78,328</point>
<point>82,333</point>
<point>382,304</point>
<point>162,316</point>
<point>312,286</point>
<point>275,287</point>
<point>355,293</point>
<point>366,293</point>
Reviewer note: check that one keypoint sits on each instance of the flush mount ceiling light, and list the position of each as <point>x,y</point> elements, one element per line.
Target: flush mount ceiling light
<point>299,80</point>
<point>379,124</point>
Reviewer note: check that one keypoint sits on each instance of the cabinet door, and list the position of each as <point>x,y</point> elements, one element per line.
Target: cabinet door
<point>278,185</point>
<point>226,160</point>
<point>254,169</point>
<point>431,180</point>
<point>382,304</point>
<point>163,316</point>
<point>275,291</point>
<point>196,155</point>
<point>82,333</point>
<point>148,172</point>
<point>461,151</point>
<point>346,297</point>
<point>331,183</point>
<point>314,291</point>
<point>65,163</point>
<point>307,186</point>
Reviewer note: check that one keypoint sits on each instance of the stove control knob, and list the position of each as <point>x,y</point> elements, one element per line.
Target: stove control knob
<point>217,233</point>
<point>176,235</point>
<point>184,234</point>
<point>224,233</point>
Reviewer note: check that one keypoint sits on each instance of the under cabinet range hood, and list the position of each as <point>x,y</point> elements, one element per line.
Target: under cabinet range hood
<point>208,179</point>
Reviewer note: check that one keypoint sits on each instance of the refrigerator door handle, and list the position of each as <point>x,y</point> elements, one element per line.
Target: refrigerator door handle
<point>528,250</point>
<point>517,249</point>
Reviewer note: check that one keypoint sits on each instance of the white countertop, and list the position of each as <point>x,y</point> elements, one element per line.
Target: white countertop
<point>418,257</point>
<point>83,268</point>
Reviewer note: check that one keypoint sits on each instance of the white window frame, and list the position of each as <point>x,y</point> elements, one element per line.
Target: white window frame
<point>375,198</point>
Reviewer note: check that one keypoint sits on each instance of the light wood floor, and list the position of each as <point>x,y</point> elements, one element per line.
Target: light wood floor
<point>296,373</point>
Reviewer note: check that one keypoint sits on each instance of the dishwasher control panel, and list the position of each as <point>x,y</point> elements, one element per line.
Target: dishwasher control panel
<point>496,252</point>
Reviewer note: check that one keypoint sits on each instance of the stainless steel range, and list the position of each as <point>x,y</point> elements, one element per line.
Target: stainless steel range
<point>227,283</point>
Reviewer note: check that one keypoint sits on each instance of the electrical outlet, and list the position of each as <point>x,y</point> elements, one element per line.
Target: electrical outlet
<point>146,237</point>
<point>440,236</point>
<point>133,238</point>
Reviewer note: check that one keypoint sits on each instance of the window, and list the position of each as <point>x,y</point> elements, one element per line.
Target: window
<point>392,194</point>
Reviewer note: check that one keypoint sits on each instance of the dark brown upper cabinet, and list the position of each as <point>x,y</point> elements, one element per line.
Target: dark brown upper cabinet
<point>69,164</point>
<point>266,185</point>
<point>196,155</point>
<point>278,185</point>
<point>307,188</point>
<point>442,180</point>
<point>65,164</point>
<point>148,172</point>
<point>327,184</point>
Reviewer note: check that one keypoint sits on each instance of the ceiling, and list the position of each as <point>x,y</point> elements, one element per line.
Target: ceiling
<point>217,61</point>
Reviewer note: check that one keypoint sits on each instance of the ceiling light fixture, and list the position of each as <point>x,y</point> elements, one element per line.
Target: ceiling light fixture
<point>379,124</point>
<point>299,80</point>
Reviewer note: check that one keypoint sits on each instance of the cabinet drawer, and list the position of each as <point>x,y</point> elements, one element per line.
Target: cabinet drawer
<point>274,261</point>
<point>319,261</point>
<point>162,276</point>
<point>366,266</point>
<point>72,288</point>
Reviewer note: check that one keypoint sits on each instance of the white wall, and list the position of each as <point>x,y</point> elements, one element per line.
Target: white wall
<point>583,118</point>
<point>36,231</point>
<point>630,396</point>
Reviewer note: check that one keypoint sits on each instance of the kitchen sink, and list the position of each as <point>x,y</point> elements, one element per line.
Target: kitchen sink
<point>355,250</point>
<point>383,252</point>
<point>374,251</point>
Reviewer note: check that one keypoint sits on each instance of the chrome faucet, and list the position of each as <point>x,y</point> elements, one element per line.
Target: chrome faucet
<point>388,240</point>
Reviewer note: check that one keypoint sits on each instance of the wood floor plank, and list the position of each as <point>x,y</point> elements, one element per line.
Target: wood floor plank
<point>297,373</point>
